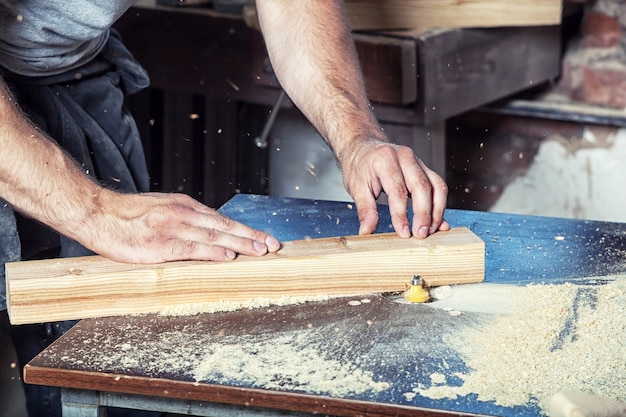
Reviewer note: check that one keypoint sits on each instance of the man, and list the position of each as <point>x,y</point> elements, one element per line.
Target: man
<point>71,159</point>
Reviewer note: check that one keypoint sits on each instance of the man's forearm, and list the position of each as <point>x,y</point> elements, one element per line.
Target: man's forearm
<point>313,55</point>
<point>36,177</point>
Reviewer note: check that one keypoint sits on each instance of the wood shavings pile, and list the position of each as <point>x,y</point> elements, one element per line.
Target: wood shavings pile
<point>556,337</point>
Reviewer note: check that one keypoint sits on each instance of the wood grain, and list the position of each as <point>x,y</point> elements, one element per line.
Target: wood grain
<point>75,288</point>
<point>424,14</point>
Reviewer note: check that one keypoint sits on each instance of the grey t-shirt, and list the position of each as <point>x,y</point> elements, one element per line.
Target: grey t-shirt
<point>48,37</point>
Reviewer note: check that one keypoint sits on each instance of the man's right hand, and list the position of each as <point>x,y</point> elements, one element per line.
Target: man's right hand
<point>157,227</point>
<point>41,181</point>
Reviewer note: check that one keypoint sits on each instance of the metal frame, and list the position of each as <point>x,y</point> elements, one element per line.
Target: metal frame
<point>87,403</point>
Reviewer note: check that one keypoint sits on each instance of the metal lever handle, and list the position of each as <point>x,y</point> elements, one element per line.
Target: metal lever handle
<point>261,140</point>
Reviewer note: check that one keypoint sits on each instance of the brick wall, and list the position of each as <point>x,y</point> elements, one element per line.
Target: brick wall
<point>594,66</point>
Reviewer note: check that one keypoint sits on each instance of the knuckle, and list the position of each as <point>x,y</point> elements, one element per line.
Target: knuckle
<point>366,211</point>
<point>392,153</point>
<point>404,151</point>
<point>400,192</point>
<point>258,236</point>
<point>226,223</point>
<point>425,183</point>
<point>212,235</point>
<point>438,184</point>
<point>181,249</point>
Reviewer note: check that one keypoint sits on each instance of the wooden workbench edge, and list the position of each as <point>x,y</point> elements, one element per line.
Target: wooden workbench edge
<point>195,391</point>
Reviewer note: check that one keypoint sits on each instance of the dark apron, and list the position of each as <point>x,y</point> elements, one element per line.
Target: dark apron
<point>83,111</point>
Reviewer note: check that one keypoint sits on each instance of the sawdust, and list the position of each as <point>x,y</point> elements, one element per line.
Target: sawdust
<point>292,360</point>
<point>225,306</point>
<point>287,362</point>
<point>556,337</point>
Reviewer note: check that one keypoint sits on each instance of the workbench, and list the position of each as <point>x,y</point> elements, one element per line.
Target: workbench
<point>384,347</point>
<point>212,86</point>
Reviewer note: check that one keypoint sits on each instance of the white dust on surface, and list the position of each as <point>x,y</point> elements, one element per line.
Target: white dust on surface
<point>287,361</point>
<point>525,356</point>
<point>520,356</point>
<point>294,360</point>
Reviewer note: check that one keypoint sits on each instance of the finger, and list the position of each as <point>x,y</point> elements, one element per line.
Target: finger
<point>398,196</point>
<point>213,219</point>
<point>180,250</point>
<point>209,227</point>
<point>217,229</point>
<point>188,242</point>
<point>439,198</point>
<point>367,212</point>
<point>392,181</point>
<point>420,188</point>
<point>238,233</point>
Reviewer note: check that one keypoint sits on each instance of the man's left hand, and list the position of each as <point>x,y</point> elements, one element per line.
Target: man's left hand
<point>377,167</point>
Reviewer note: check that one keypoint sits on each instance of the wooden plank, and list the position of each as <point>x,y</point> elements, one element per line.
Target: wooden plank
<point>456,69</point>
<point>424,14</point>
<point>74,288</point>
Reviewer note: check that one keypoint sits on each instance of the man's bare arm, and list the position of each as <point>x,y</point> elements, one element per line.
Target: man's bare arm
<point>38,179</point>
<point>313,55</point>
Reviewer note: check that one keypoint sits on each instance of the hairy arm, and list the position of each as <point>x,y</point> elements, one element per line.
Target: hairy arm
<point>38,179</point>
<point>312,52</point>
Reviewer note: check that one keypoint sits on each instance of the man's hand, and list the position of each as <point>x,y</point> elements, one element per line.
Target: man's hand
<point>155,227</point>
<point>40,180</point>
<point>313,55</point>
<point>376,166</point>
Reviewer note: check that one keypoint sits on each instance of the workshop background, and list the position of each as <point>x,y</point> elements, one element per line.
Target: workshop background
<point>556,150</point>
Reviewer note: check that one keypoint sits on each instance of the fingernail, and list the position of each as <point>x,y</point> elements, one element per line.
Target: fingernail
<point>260,247</point>
<point>230,254</point>
<point>406,231</point>
<point>433,228</point>
<point>422,232</point>
<point>272,244</point>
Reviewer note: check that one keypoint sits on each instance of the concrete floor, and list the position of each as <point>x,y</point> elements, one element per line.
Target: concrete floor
<point>11,393</point>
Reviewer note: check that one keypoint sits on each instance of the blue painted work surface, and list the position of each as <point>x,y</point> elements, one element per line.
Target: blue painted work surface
<point>518,249</point>
<point>372,352</point>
